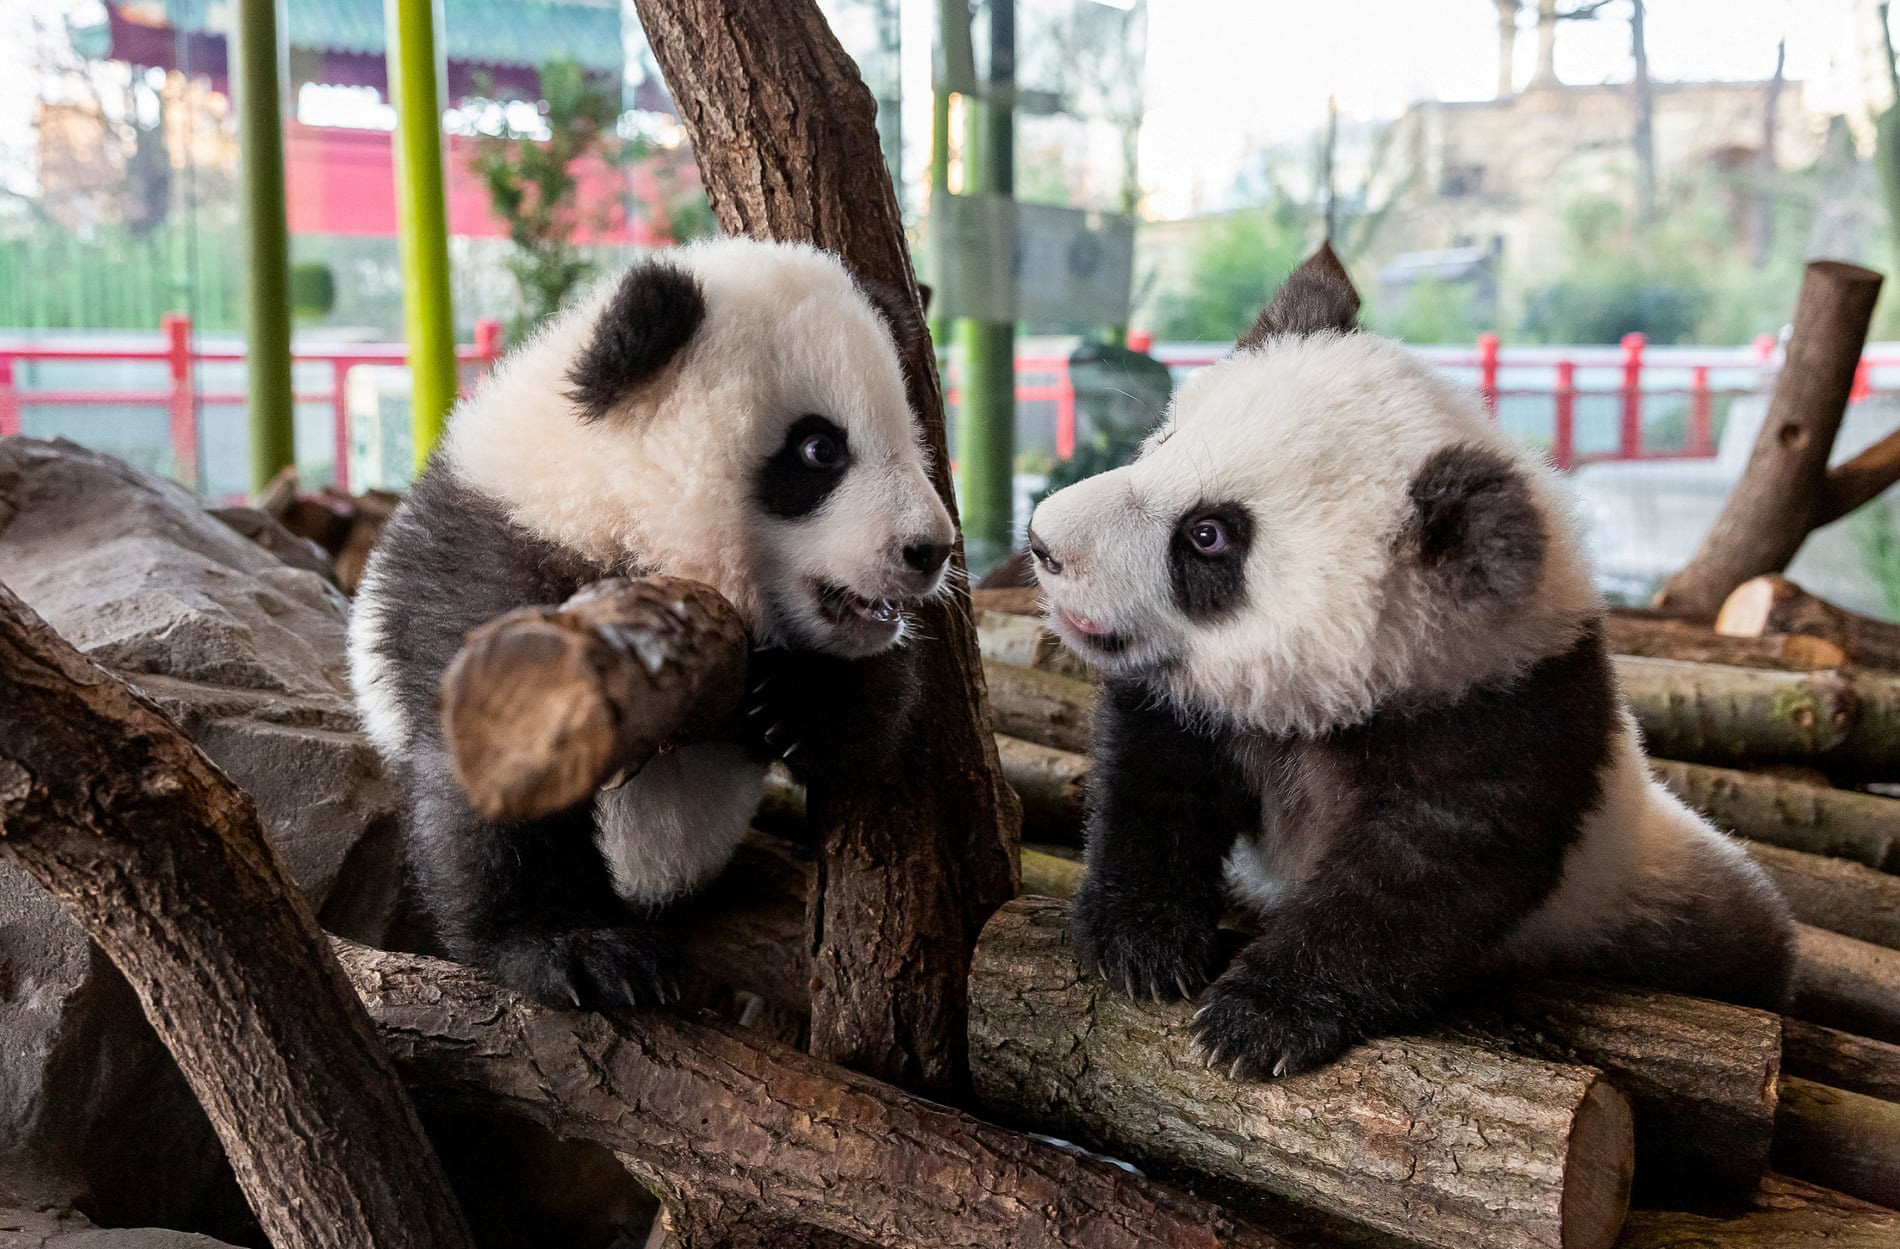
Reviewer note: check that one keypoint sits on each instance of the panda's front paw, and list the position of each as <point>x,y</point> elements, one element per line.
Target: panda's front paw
<point>1144,947</point>
<point>590,968</point>
<point>1252,1029</point>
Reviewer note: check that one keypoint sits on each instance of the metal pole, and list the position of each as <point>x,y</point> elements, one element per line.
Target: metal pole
<point>986,425</point>
<point>415,71</point>
<point>258,87</point>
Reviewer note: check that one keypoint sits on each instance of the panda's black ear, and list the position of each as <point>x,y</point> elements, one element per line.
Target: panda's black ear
<point>1475,528</point>
<point>900,313</point>
<point>1317,297</point>
<point>654,312</point>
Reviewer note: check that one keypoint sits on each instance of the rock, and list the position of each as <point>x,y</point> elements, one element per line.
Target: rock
<point>265,530</point>
<point>39,1229</point>
<point>246,651</point>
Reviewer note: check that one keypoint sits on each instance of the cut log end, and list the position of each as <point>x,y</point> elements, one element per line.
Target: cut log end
<point>1746,611</point>
<point>1601,1167</point>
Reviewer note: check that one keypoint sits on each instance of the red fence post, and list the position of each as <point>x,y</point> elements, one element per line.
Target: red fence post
<point>1863,382</point>
<point>1701,414</point>
<point>183,412</point>
<point>1488,370</point>
<point>340,416</point>
<point>1065,413</point>
<point>9,399</point>
<point>1629,444</point>
<point>1563,439</point>
<point>488,344</point>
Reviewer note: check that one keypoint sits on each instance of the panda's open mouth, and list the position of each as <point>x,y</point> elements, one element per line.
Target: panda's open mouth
<point>848,609</point>
<point>1090,635</point>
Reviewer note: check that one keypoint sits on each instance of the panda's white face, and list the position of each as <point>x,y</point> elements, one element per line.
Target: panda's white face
<point>740,419</point>
<point>1277,555</point>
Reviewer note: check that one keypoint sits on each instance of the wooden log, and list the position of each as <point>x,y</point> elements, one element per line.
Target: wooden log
<point>1443,1143</point>
<point>1847,984</point>
<point>1040,706</point>
<point>1780,495</point>
<point>713,1114</point>
<point>1783,1214</point>
<point>153,850</point>
<point>1661,637</point>
<point>1764,608</point>
<point>1848,898</point>
<point>1050,784</point>
<point>1026,642</point>
<point>543,706</point>
<point>1008,600</point>
<point>1841,1059</point>
<point>1818,819</point>
<point>1840,1140</point>
<point>917,856</point>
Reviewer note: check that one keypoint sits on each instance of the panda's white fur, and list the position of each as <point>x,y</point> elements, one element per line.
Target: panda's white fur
<point>558,470</point>
<point>1373,698</point>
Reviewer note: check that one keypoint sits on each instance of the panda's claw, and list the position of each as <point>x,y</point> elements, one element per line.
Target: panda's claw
<point>1279,1068</point>
<point>1187,991</point>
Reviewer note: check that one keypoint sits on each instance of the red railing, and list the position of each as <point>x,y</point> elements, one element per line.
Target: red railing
<point>181,397</point>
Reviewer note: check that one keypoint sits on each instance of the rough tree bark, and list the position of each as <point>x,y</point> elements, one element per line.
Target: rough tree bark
<point>543,706</point>
<point>1762,608</point>
<point>1846,1061</point>
<point>1848,898</point>
<point>1781,495</point>
<point>1665,637</point>
<point>1819,819</point>
<point>1847,984</point>
<point>723,1120</point>
<point>1444,1143</point>
<point>1782,1214</point>
<point>1847,1141</point>
<point>913,859</point>
<point>162,860</point>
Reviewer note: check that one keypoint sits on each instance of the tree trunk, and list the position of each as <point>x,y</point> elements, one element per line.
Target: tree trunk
<point>1661,637</point>
<point>1847,984</point>
<point>1815,818</point>
<point>915,858</point>
<point>1783,1214</point>
<point>161,859</point>
<point>1841,1059</point>
<point>1848,898</point>
<point>1040,706</point>
<point>1643,140</point>
<point>722,1120</point>
<point>1762,607</point>
<point>1778,499</point>
<point>543,706</point>
<point>1845,1141</point>
<point>1442,1143</point>
<point>1050,784</point>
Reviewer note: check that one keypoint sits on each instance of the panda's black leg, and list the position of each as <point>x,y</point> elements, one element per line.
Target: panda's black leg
<point>1377,937</point>
<point>532,902</point>
<point>1165,806</point>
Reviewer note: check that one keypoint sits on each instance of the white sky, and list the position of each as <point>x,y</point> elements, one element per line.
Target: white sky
<point>1226,77</point>
<point>1229,76</point>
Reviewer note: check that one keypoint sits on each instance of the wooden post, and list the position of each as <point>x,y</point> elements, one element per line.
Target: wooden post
<point>913,859</point>
<point>415,70</point>
<point>266,240</point>
<point>1780,496</point>
<point>161,859</point>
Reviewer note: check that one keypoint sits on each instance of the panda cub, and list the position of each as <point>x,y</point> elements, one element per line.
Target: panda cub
<point>1355,672</point>
<point>733,412</point>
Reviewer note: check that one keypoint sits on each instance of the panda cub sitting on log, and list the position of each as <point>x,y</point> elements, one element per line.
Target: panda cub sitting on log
<point>733,412</point>
<point>1355,680</point>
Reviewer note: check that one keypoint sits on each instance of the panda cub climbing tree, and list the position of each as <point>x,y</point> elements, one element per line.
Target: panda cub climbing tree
<point>1356,681</point>
<point>733,412</point>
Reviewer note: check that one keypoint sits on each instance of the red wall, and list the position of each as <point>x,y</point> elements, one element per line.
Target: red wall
<point>344,182</point>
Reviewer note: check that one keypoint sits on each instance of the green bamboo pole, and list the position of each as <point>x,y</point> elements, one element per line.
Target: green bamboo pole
<point>986,420</point>
<point>415,71</point>
<point>259,93</point>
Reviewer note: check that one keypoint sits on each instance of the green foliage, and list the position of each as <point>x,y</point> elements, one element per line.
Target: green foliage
<point>532,187</point>
<point>1601,308</point>
<point>1231,271</point>
<point>1433,312</point>
<point>1876,531</point>
<point>312,289</point>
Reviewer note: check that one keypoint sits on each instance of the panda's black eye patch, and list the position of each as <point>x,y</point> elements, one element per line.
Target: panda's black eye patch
<point>805,469</point>
<point>1207,559</point>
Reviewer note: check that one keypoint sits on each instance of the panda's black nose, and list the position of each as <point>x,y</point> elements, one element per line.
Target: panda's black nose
<point>1041,552</point>
<point>926,557</point>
